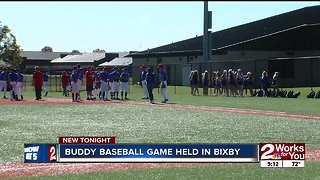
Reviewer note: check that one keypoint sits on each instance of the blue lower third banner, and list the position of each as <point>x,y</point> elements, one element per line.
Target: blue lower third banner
<point>40,153</point>
<point>158,153</point>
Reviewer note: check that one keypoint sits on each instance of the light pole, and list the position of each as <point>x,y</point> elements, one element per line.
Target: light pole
<point>207,37</point>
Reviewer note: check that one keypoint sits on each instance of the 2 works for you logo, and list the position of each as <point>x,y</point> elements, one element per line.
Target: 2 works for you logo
<point>282,151</point>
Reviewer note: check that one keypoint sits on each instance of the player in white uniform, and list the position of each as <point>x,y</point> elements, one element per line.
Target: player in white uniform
<point>13,79</point>
<point>163,83</point>
<point>105,78</point>
<point>143,82</point>
<point>3,81</point>
<point>19,85</point>
<point>80,79</point>
<point>74,84</point>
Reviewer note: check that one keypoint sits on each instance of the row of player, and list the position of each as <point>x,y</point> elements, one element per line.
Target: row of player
<point>98,83</point>
<point>13,79</point>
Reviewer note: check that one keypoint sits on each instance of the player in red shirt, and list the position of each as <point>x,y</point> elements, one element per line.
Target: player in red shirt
<point>65,82</point>
<point>89,83</point>
<point>37,81</point>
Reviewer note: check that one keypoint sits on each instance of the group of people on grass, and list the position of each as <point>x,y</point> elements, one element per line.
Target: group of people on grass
<point>99,83</point>
<point>230,83</point>
<point>12,79</point>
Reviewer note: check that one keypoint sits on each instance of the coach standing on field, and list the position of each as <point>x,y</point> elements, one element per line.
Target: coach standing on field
<point>37,81</point>
<point>150,82</point>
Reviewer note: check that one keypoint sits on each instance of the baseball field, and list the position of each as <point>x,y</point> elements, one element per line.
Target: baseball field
<point>184,119</point>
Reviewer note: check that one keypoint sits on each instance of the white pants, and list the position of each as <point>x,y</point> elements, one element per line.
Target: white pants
<point>74,86</point>
<point>3,85</point>
<point>145,90</point>
<point>14,89</point>
<point>163,91</point>
<point>19,88</point>
<point>115,86</point>
<point>96,89</point>
<point>44,86</point>
<point>104,88</point>
<point>124,86</point>
<point>79,84</point>
<point>111,86</point>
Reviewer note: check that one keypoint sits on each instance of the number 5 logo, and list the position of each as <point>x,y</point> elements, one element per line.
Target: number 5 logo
<point>267,154</point>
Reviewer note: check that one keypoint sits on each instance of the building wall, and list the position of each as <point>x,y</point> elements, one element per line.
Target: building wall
<point>316,72</point>
<point>305,71</point>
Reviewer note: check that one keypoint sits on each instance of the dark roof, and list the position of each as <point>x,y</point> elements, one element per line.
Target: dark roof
<point>304,37</point>
<point>38,55</point>
<point>241,33</point>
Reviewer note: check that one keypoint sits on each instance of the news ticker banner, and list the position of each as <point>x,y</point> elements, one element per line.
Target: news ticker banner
<point>104,149</point>
<point>158,153</point>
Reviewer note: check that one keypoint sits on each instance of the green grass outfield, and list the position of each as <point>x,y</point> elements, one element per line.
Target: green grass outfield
<point>140,124</point>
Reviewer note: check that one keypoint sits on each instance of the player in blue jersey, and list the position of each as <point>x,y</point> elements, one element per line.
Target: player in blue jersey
<point>115,85</point>
<point>105,79</point>
<point>3,81</point>
<point>19,85</point>
<point>74,84</point>
<point>163,77</point>
<point>143,82</point>
<point>45,83</point>
<point>13,80</point>
<point>124,77</point>
<point>110,87</point>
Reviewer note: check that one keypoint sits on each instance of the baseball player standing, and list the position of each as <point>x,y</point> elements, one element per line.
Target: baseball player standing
<point>96,84</point>
<point>105,78</point>
<point>45,83</point>
<point>80,79</point>
<point>124,77</point>
<point>89,83</point>
<point>19,85</point>
<point>163,83</point>
<point>110,87</point>
<point>37,82</point>
<point>13,80</point>
<point>150,81</point>
<point>4,82</point>
<point>115,85</point>
<point>143,82</point>
<point>65,81</point>
<point>74,84</point>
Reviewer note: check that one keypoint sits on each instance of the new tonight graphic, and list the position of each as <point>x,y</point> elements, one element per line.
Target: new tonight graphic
<point>158,153</point>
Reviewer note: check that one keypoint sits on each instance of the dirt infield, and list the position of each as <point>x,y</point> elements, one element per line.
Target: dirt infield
<point>17,169</point>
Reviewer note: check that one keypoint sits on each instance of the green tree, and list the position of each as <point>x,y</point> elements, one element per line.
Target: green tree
<point>98,50</point>
<point>47,49</point>
<point>10,51</point>
<point>75,52</point>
